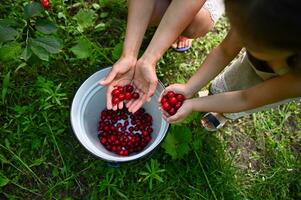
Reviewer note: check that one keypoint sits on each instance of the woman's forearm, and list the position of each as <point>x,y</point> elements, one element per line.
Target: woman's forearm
<point>176,18</point>
<point>139,15</point>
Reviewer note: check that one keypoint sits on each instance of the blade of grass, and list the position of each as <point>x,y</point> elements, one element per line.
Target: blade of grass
<point>55,142</point>
<point>207,180</point>
<point>24,164</point>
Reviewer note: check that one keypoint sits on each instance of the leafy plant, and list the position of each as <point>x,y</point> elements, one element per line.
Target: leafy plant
<point>37,37</point>
<point>153,173</point>
<point>177,142</point>
<point>110,186</point>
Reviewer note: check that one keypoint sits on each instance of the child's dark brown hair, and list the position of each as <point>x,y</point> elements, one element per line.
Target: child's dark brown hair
<point>270,23</point>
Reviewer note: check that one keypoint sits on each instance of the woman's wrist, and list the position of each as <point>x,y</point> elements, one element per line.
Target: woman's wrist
<point>147,61</point>
<point>150,59</point>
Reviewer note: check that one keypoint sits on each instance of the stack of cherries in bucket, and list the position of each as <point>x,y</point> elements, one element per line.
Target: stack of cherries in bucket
<point>123,132</point>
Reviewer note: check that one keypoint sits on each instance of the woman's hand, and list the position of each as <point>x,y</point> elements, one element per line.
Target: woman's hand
<point>145,81</point>
<point>121,74</point>
<point>181,114</point>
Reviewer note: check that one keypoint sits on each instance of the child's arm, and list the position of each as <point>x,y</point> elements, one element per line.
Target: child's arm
<point>268,92</point>
<point>215,62</point>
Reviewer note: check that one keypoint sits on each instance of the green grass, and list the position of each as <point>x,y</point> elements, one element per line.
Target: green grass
<point>257,157</point>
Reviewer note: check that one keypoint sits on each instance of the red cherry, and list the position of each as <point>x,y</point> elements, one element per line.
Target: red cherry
<point>115,100</point>
<point>115,92</point>
<point>172,101</point>
<point>113,138</point>
<point>170,94</point>
<point>178,105</point>
<point>163,100</point>
<point>150,130</point>
<point>172,111</point>
<point>135,95</point>
<point>120,88</point>
<point>180,97</point>
<point>145,133</point>
<point>166,106</point>
<point>106,128</point>
<point>129,88</point>
<point>128,96</point>
<point>103,140</point>
<point>121,97</point>
<point>125,153</point>
<point>117,142</point>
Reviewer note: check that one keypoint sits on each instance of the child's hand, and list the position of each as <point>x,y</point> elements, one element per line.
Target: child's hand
<point>181,114</point>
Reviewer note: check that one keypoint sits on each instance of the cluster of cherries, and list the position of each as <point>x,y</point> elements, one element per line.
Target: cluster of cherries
<point>122,132</point>
<point>45,4</point>
<point>171,102</point>
<point>120,94</point>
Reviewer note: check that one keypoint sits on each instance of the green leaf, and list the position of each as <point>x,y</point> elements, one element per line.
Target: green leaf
<point>3,159</point>
<point>100,27</point>
<point>50,44</point>
<point>83,49</point>
<point>46,27</point>
<point>85,18</point>
<point>3,181</point>
<point>182,133</point>
<point>37,162</point>
<point>26,54</point>
<point>40,52</point>
<point>169,145</point>
<point>198,139</point>
<point>5,86</point>
<point>117,51</point>
<point>7,34</point>
<point>10,51</point>
<point>32,9</point>
<point>176,143</point>
<point>104,15</point>
<point>193,116</point>
<point>8,23</point>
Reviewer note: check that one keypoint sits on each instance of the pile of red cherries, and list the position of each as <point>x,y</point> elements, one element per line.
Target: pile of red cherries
<point>121,94</point>
<point>124,133</point>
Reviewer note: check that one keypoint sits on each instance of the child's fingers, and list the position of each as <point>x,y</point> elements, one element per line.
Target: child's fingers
<point>164,92</point>
<point>174,118</point>
<point>161,95</point>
